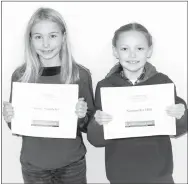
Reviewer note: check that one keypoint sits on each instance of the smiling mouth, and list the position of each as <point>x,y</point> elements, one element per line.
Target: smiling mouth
<point>46,51</point>
<point>132,62</point>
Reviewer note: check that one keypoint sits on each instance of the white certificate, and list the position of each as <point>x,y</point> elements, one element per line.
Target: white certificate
<point>44,110</point>
<point>138,111</point>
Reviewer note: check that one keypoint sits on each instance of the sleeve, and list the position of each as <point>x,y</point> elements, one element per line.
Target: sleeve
<point>181,124</point>
<point>15,77</point>
<point>95,134</point>
<point>87,93</point>
<point>10,98</point>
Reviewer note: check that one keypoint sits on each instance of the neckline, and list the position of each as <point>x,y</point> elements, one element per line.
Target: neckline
<point>50,71</point>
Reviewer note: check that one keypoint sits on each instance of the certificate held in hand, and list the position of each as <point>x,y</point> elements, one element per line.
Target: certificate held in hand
<point>138,111</point>
<point>44,110</point>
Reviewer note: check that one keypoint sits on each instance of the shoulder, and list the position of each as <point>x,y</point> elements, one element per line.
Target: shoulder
<point>165,78</point>
<point>84,72</point>
<point>162,78</point>
<point>17,74</point>
<point>102,82</point>
<point>107,81</point>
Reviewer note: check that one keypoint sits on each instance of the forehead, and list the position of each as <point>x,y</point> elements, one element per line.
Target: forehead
<point>131,37</point>
<point>45,27</point>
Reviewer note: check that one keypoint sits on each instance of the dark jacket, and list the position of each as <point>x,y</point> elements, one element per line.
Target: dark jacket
<point>51,153</point>
<point>141,158</point>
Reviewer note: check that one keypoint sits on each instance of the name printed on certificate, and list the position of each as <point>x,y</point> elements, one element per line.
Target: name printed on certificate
<point>138,111</point>
<point>45,110</point>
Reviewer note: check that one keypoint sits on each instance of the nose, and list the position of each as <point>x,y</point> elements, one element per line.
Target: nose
<point>46,42</point>
<point>132,54</point>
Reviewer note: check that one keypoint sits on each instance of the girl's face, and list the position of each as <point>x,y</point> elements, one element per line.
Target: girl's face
<point>47,39</point>
<point>132,50</point>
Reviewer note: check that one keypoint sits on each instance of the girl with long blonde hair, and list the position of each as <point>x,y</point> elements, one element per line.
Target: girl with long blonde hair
<point>48,59</point>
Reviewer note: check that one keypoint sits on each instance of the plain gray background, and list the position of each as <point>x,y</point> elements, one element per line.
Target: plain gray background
<point>91,26</point>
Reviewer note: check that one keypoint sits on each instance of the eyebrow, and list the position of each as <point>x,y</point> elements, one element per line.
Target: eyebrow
<point>124,45</point>
<point>49,33</point>
<point>128,45</point>
<point>54,32</point>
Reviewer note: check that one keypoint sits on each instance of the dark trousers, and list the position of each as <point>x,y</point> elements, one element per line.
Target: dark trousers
<point>168,179</point>
<point>71,174</point>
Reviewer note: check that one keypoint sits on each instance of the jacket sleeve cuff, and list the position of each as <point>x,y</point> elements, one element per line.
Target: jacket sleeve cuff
<point>95,134</point>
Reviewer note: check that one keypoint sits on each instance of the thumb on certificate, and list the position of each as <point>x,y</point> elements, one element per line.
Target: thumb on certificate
<point>106,114</point>
<point>5,103</point>
<point>81,99</point>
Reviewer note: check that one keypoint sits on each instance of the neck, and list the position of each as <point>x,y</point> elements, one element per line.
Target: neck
<point>132,75</point>
<point>55,61</point>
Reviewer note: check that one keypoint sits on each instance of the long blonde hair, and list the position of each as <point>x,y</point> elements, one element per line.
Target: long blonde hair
<point>31,69</point>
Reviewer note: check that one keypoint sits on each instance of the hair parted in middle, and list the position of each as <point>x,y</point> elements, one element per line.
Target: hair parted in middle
<point>132,27</point>
<point>125,28</point>
<point>31,69</point>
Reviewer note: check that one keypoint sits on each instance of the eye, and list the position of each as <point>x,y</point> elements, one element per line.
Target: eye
<point>53,36</point>
<point>140,48</point>
<point>38,37</point>
<point>124,49</point>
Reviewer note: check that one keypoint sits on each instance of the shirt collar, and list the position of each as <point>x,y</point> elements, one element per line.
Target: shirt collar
<point>141,77</point>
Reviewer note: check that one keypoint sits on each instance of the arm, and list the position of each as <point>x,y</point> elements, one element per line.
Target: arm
<point>10,101</point>
<point>181,124</point>
<point>15,77</point>
<point>87,93</point>
<point>95,133</point>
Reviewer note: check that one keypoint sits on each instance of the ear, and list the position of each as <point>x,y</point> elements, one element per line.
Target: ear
<point>115,52</point>
<point>150,51</point>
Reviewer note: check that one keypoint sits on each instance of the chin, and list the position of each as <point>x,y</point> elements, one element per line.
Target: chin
<point>133,69</point>
<point>48,57</point>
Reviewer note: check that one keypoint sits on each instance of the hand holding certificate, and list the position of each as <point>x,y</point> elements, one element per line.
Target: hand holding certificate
<point>45,110</point>
<point>138,111</point>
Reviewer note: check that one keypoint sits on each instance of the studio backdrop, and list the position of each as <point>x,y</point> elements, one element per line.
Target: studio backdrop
<point>91,26</point>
